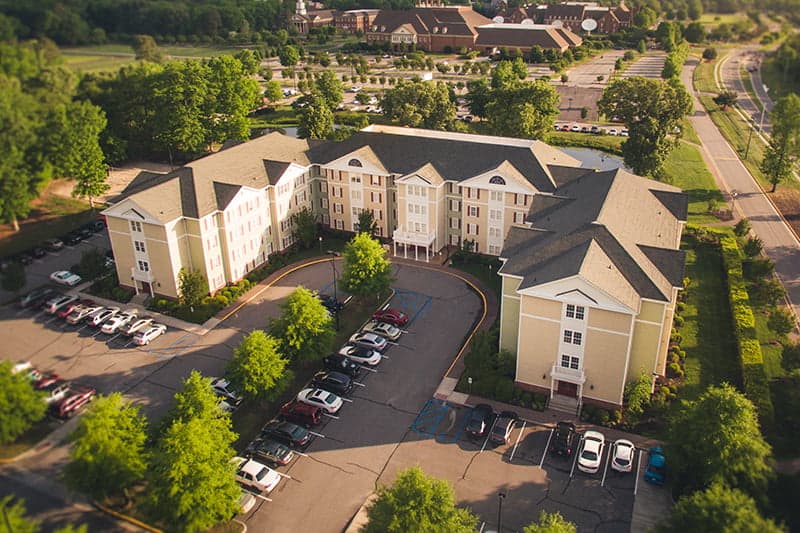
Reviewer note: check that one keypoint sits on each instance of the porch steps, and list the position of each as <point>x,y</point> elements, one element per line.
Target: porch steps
<point>565,404</point>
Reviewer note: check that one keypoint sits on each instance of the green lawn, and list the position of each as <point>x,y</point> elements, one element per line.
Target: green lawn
<point>51,216</point>
<point>688,131</point>
<point>606,143</point>
<point>488,276</point>
<point>704,81</point>
<point>687,170</point>
<point>712,20</point>
<point>748,85</point>
<point>110,57</point>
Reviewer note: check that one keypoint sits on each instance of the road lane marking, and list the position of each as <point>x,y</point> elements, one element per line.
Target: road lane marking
<point>514,449</point>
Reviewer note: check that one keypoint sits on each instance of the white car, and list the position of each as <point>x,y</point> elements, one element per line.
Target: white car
<point>253,474</point>
<point>137,325</point>
<point>78,315</point>
<point>222,387</point>
<point>100,317</point>
<point>623,132</point>
<point>591,454</point>
<point>383,329</point>
<point>327,401</point>
<point>246,502</point>
<point>113,324</point>
<point>613,131</point>
<point>369,340</point>
<point>54,304</point>
<point>145,336</point>
<point>575,128</point>
<point>65,277</point>
<point>363,356</point>
<point>622,455</point>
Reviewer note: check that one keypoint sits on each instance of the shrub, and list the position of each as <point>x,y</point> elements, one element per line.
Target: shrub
<point>674,370</point>
<point>753,246</point>
<point>539,402</point>
<point>504,389</point>
<point>526,399</point>
<point>680,307</point>
<point>678,321</point>
<point>742,228</point>
<point>757,269</point>
<point>675,337</point>
<point>781,322</point>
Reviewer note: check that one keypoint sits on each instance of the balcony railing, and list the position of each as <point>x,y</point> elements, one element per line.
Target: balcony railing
<point>568,374</point>
<point>410,237</point>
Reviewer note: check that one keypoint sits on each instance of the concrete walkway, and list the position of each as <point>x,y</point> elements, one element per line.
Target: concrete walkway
<point>780,243</point>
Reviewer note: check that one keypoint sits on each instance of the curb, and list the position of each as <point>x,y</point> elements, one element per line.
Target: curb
<point>125,518</point>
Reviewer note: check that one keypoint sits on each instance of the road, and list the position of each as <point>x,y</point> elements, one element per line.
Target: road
<point>780,244</point>
<point>730,72</point>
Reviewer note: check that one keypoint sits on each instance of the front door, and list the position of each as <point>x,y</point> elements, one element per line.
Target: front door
<point>565,388</point>
<point>146,287</point>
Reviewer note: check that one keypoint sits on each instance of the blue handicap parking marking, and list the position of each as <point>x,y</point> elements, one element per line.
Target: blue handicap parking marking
<point>439,420</point>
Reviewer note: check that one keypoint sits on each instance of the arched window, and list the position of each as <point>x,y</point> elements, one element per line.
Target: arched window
<point>497,180</point>
<point>354,163</point>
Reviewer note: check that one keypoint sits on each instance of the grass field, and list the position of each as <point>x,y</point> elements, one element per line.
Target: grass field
<point>688,132</point>
<point>110,57</point>
<point>704,76</point>
<point>606,143</point>
<point>712,20</point>
<point>687,170</point>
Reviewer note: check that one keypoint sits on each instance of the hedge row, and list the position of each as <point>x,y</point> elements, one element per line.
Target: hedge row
<point>754,377</point>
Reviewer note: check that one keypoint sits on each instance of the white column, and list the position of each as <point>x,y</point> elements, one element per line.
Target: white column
<point>416,252</point>
<point>394,243</point>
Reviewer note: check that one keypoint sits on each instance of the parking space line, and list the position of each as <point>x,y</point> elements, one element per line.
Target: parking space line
<point>575,459</point>
<point>385,357</point>
<point>605,471</point>
<point>330,416</point>
<point>320,435</point>
<point>488,434</point>
<point>547,446</point>
<point>358,384</point>
<point>287,476</point>
<point>346,399</point>
<point>260,496</point>
<point>638,473</point>
<point>514,449</point>
<point>368,369</point>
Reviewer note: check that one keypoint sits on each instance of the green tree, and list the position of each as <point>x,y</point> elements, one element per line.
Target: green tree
<point>781,322</point>
<point>191,478</point>
<point>551,523</point>
<point>109,452</point>
<point>367,271</point>
<point>289,56</point>
<point>645,18</point>
<point>273,91</point>
<point>196,399</point>
<point>742,227</point>
<point>694,33</point>
<point>417,502</point>
<point>717,439</point>
<point>258,370</point>
<point>753,246</point>
<point>420,104</point>
<point>330,88</point>
<point>710,54</point>
<point>146,49</point>
<point>249,60</point>
<point>14,519</point>
<point>304,327</point>
<point>637,397</point>
<point>652,110</point>
<point>93,264</point>
<point>232,95</point>
<point>20,404</point>
<point>192,287</point>
<point>717,508</point>
<point>304,228</point>
<point>13,277</point>
<point>316,119</point>
<point>726,99</point>
<point>526,109</point>
<point>784,147</point>
<point>366,222</point>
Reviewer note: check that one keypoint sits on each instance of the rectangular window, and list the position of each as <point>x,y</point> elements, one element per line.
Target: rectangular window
<point>473,229</point>
<point>454,205</point>
<point>495,214</point>
<point>323,203</point>
<point>139,245</point>
<point>575,311</point>
<point>574,363</point>
<point>496,196</point>
<point>494,232</point>
<point>136,226</point>
<point>375,180</point>
<point>579,312</point>
<point>455,223</point>
<point>355,195</point>
<point>473,211</point>
<point>144,266</point>
<point>519,217</point>
<point>355,179</point>
<point>494,250</point>
<point>567,336</point>
<point>577,338</point>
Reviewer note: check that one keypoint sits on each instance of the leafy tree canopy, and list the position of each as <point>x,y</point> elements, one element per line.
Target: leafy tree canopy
<point>784,146</point>
<point>417,502</point>
<point>20,404</point>
<point>366,222</point>
<point>192,287</point>
<point>367,271</point>
<point>316,119</point>
<point>196,399</point>
<point>551,523</point>
<point>526,109</point>
<point>304,328</point>
<point>304,227</point>
<point>258,369</point>
<point>420,104</point>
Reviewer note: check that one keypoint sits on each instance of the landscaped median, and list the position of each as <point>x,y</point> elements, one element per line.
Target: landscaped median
<point>754,377</point>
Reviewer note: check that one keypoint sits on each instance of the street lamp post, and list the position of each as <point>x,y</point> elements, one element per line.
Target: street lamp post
<point>334,255</point>
<point>501,496</point>
<point>320,245</point>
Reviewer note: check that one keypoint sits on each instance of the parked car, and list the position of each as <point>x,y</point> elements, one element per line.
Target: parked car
<point>65,311</point>
<point>591,454</point>
<point>45,380</point>
<point>656,471</point>
<point>71,239</point>
<point>575,128</point>
<point>222,387</point>
<point>341,363</point>
<point>301,413</point>
<point>565,439</point>
<point>325,400</point>
<point>97,319</point>
<point>480,420</point>
<point>369,340</point>
<point>146,336</point>
<point>74,401</point>
<point>36,297</point>
<point>503,427</point>
<point>288,433</point>
<point>270,451</point>
<point>37,252</point>
<point>55,303</point>
<point>253,474</point>
<point>137,325</point>
<point>330,303</point>
<point>565,127</point>
<point>622,455</point>
<point>246,502</point>
<point>359,354</point>
<point>623,132</point>
<point>118,321</point>
<point>394,317</point>
<point>84,233</point>
<point>96,225</point>
<point>78,315</point>
<point>228,405</point>
<point>55,391</point>
<point>613,131</point>
<point>24,258</point>
<point>53,245</point>
<point>385,330</point>
<point>596,130</point>
<point>65,277</point>
<point>334,382</point>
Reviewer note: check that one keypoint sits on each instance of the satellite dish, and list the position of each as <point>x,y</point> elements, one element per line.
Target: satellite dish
<point>527,22</point>
<point>589,25</point>
<point>498,20</point>
<point>558,24</point>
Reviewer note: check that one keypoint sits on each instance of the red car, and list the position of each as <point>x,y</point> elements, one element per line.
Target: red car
<point>74,402</point>
<point>301,413</point>
<point>72,306</point>
<point>46,380</point>
<point>394,317</point>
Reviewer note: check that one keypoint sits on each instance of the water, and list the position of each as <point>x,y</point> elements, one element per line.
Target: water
<point>590,158</point>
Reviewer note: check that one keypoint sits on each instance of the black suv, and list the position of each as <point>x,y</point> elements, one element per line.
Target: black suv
<point>332,304</point>
<point>343,364</point>
<point>480,420</point>
<point>334,382</point>
<point>290,434</point>
<point>565,439</point>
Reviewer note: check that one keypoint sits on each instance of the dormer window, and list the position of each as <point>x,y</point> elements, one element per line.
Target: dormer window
<point>354,163</point>
<point>497,180</point>
<point>436,29</point>
<point>444,30</point>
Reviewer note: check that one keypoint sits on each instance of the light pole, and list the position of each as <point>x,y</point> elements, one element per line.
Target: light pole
<point>500,496</point>
<point>334,255</point>
<point>320,245</point>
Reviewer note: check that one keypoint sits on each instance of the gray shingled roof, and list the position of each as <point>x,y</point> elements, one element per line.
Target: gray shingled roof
<point>521,36</point>
<point>614,229</point>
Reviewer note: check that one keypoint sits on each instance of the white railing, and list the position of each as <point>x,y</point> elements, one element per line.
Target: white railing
<point>410,237</point>
<point>568,374</point>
